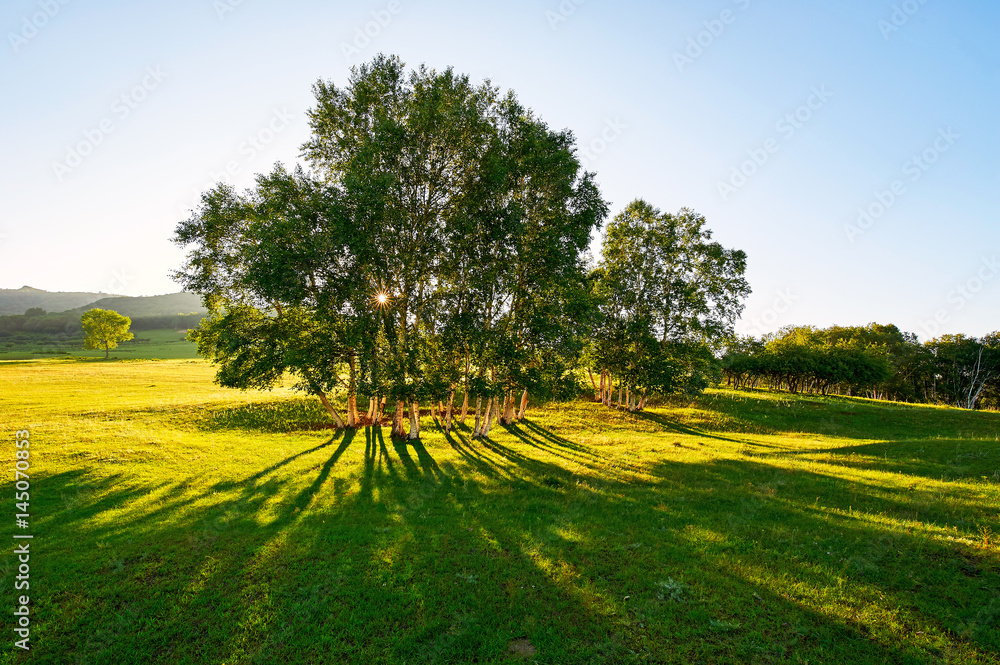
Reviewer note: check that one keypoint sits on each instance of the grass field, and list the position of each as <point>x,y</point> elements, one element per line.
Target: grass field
<point>147,345</point>
<point>178,522</point>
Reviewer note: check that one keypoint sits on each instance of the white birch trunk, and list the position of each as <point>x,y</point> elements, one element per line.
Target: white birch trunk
<point>338,421</point>
<point>397,420</point>
<point>490,414</point>
<point>352,410</point>
<point>479,404</point>
<point>447,417</point>
<point>414,421</point>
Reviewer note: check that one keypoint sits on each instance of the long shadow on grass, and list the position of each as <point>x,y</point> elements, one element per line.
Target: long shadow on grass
<point>459,581</point>
<point>684,429</point>
<point>835,530</point>
<point>934,459</point>
<point>712,562</point>
<point>225,485</point>
<point>847,417</point>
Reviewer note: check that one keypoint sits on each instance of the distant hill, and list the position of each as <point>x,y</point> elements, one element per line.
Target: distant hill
<point>17,301</point>
<point>167,305</point>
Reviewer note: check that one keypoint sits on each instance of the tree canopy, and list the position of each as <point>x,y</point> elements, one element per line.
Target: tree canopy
<point>877,361</point>
<point>436,243</point>
<point>438,240</point>
<point>668,298</point>
<point>104,329</point>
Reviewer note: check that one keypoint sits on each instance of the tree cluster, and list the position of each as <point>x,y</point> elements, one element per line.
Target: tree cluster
<point>877,361</point>
<point>436,246</point>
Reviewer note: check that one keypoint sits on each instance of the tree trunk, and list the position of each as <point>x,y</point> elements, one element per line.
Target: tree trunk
<point>524,404</point>
<point>619,395</point>
<point>490,413</point>
<point>440,414</point>
<point>397,420</point>
<point>338,421</point>
<point>487,416</point>
<point>465,408</point>
<point>352,410</point>
<point>592,382</point>
<point>508,412</point>
<point>447,417</point>
<point>371,410</point>
<point>479,404</point>
<point>414,421</point>
<point>107,350</point>
<point>352,395</point>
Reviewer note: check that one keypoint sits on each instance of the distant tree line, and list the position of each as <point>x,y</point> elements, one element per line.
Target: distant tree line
<point>877,361</point>
<point>68,325</point>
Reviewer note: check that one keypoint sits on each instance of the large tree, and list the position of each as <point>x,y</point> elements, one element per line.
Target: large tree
<point>473,216</point>
<point>670,297</point>
<point>436,241</point>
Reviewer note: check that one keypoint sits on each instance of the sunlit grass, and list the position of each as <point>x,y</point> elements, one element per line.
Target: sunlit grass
<point>179,522</point>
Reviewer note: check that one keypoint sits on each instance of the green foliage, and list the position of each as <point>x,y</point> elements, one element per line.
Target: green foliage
<point>874,360</point>
<point>668,298</point>
<point>466,213</point>
<point>105,329</point>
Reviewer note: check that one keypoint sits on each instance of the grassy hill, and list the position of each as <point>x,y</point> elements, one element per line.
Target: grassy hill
<point>138,306</point>
<point>17,301</point>
<point>180,522</point>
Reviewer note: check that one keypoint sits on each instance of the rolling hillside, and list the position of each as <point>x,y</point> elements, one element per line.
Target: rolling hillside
<point>17,301</point>
<point>165,305</point>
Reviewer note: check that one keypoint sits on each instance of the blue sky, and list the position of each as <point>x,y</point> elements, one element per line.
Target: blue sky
<point>782,122</point>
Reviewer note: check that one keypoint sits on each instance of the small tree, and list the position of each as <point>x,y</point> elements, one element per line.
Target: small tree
<point>104,329</point>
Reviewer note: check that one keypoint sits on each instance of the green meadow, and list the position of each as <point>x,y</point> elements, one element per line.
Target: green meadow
<point>179,522</point>
<point>147,345</point>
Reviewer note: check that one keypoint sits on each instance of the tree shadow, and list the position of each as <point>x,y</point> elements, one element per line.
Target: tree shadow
<point>389,557</point>
<point>288,460</point>
<point>672,425</point>
<point>933,459</point>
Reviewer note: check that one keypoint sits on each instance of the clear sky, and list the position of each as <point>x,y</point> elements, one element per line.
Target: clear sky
<point>848,146</point>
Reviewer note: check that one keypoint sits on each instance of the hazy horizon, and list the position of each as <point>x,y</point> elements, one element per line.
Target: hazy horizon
<point>849,148</point>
